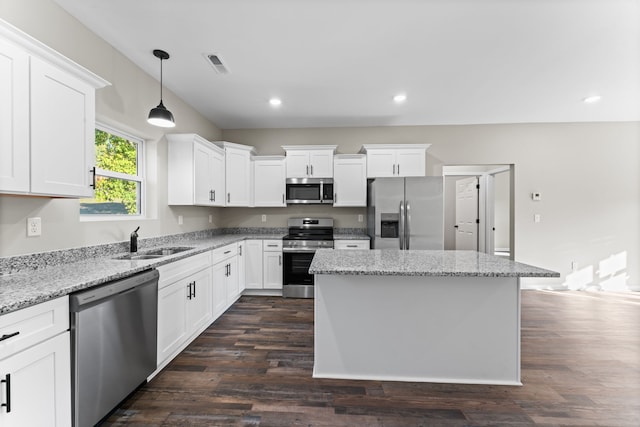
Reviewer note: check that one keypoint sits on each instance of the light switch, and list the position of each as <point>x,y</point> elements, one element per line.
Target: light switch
<point>264,218</point>
<point>536,218</point>
<point>180,221</point>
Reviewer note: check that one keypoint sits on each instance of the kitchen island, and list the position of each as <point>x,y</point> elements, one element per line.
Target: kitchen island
<point>427,316</point>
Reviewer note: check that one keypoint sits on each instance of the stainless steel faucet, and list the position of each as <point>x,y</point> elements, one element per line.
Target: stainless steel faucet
<point>133,247</point>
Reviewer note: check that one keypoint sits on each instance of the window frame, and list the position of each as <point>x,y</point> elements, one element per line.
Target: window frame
<point>140,178</point>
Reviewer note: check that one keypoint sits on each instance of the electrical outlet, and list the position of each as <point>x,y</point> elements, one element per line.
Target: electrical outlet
<point>264,218</point>
<point>574,265</point>
<point>34,227</point>
<point>360,218</point>
<point>536,218</point>
<point>210,219</point>
<point>180,220</point>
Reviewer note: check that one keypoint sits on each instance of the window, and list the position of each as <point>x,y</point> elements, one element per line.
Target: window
<point>119,176</point>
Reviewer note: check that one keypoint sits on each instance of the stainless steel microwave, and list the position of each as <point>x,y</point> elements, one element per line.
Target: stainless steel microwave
<point>310,191</point>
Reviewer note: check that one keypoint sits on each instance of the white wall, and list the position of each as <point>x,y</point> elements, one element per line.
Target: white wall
<point>588,174</point>
<point>123,105</point>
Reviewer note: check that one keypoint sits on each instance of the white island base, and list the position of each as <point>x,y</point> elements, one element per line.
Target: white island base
<point>418,328</point>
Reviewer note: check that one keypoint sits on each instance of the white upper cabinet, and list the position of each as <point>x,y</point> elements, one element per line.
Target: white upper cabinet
<point>350,180</point>
<point>238,173</point>
<point>395,160</point>
<point>309,161</point>
<point>14,118</point>
<point>268,181</point>
<point>47,119</point>
<point>196,171</point>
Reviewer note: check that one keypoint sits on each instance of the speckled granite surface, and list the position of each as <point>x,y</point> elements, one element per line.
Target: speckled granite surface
<point>421,263</point>
<point>28,286</point>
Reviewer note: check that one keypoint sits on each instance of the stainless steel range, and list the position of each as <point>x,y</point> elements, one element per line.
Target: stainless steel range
<point>306,235</point>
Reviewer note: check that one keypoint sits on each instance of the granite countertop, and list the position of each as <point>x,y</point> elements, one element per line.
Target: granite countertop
<point>390,262</point>
<point>25,288</point>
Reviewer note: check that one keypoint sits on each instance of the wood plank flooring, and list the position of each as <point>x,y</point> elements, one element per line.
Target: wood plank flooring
<point>252,367</point>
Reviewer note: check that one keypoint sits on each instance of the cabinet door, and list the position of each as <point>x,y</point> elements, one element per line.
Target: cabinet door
<point>219,293</point>
<point>272,264</point>
<point>233,289</point>
<point>199,301</point>
<point>350,182</point>
<point>321,163</point>
<point>253,264</point>
<point>218,179</point>
<point>40,385</point>
<point>238,173</point>
<point>410,162</point>
<point>381,163</point>
<point>14,119</point>
<point>62,132</point>
<point>172,319</point>
<point>203,175</point>
<point>297,164</point>
<point>269,183</point>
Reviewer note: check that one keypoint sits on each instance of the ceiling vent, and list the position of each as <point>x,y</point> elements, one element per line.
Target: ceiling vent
<point>217,64</point>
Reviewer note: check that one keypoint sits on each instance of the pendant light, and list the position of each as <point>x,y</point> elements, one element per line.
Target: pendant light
<point>160,116</point>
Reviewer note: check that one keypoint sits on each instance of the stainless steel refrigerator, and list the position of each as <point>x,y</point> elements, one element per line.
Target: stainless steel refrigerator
<point>406,213</point>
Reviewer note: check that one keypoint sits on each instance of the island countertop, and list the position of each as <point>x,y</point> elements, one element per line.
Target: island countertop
<point>389,262</point>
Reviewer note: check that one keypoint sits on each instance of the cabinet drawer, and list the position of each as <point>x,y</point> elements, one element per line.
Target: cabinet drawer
<point>170,273</point>
<point>351,244</point>
<point>272,245</point>
<point>33,325</point>
<point>225,252</point>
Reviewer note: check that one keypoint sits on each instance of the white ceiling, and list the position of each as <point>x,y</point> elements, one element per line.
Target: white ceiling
<point>339,63</point>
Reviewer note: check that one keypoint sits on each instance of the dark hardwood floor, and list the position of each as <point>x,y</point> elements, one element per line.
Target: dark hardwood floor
<point>252,367</point>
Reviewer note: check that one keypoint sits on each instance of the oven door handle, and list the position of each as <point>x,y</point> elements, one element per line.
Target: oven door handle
<point>298,250</point>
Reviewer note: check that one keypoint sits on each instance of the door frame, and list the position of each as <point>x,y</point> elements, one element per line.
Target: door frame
<point>486,175</point>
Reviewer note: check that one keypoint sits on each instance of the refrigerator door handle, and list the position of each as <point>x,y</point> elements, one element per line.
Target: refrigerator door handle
<point>407,227</point>
<point>401,231</point>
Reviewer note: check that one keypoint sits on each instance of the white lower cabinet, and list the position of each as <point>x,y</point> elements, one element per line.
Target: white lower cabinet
<point>36,379</point>
<point>272,264</point>
<point>263,264</point>
<point>253,264</point>
<point>226,282</point>
<point>184,304</point>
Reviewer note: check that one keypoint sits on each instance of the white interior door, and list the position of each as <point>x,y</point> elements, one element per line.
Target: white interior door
<point>467,214</point>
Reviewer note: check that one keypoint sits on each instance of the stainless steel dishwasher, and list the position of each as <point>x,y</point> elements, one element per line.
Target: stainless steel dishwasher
<point>113,343</point>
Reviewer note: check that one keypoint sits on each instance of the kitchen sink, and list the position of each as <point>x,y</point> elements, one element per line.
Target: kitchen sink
<point>153,253</point>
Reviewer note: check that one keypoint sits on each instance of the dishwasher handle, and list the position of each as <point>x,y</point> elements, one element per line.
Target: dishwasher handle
<point>79,300</point>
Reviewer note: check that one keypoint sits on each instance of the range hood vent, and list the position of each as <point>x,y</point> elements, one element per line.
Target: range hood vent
<point>217,64</point>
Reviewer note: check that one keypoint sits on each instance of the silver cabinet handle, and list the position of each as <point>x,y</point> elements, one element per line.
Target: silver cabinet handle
<point>335,197</point>
<point>93,181</point>
<point>228,197</point>
<point>240,249</point>
<point>227,252</point>
<point>394,169</point>
<point>279,259</point>
<point>398,169</point>
<point>307,169</point>
<point>214,195</point>
<point>352,246</point>
<point>311,170</point>
<point>194,288</point>
<point>283,199</point>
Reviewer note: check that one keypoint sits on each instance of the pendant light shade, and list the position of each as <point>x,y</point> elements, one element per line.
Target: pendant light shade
<point>160,116</point>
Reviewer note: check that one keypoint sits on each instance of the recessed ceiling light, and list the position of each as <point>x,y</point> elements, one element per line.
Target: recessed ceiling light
<point>592,99</point>
<point>401,97</point>
<point>275,102</point>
